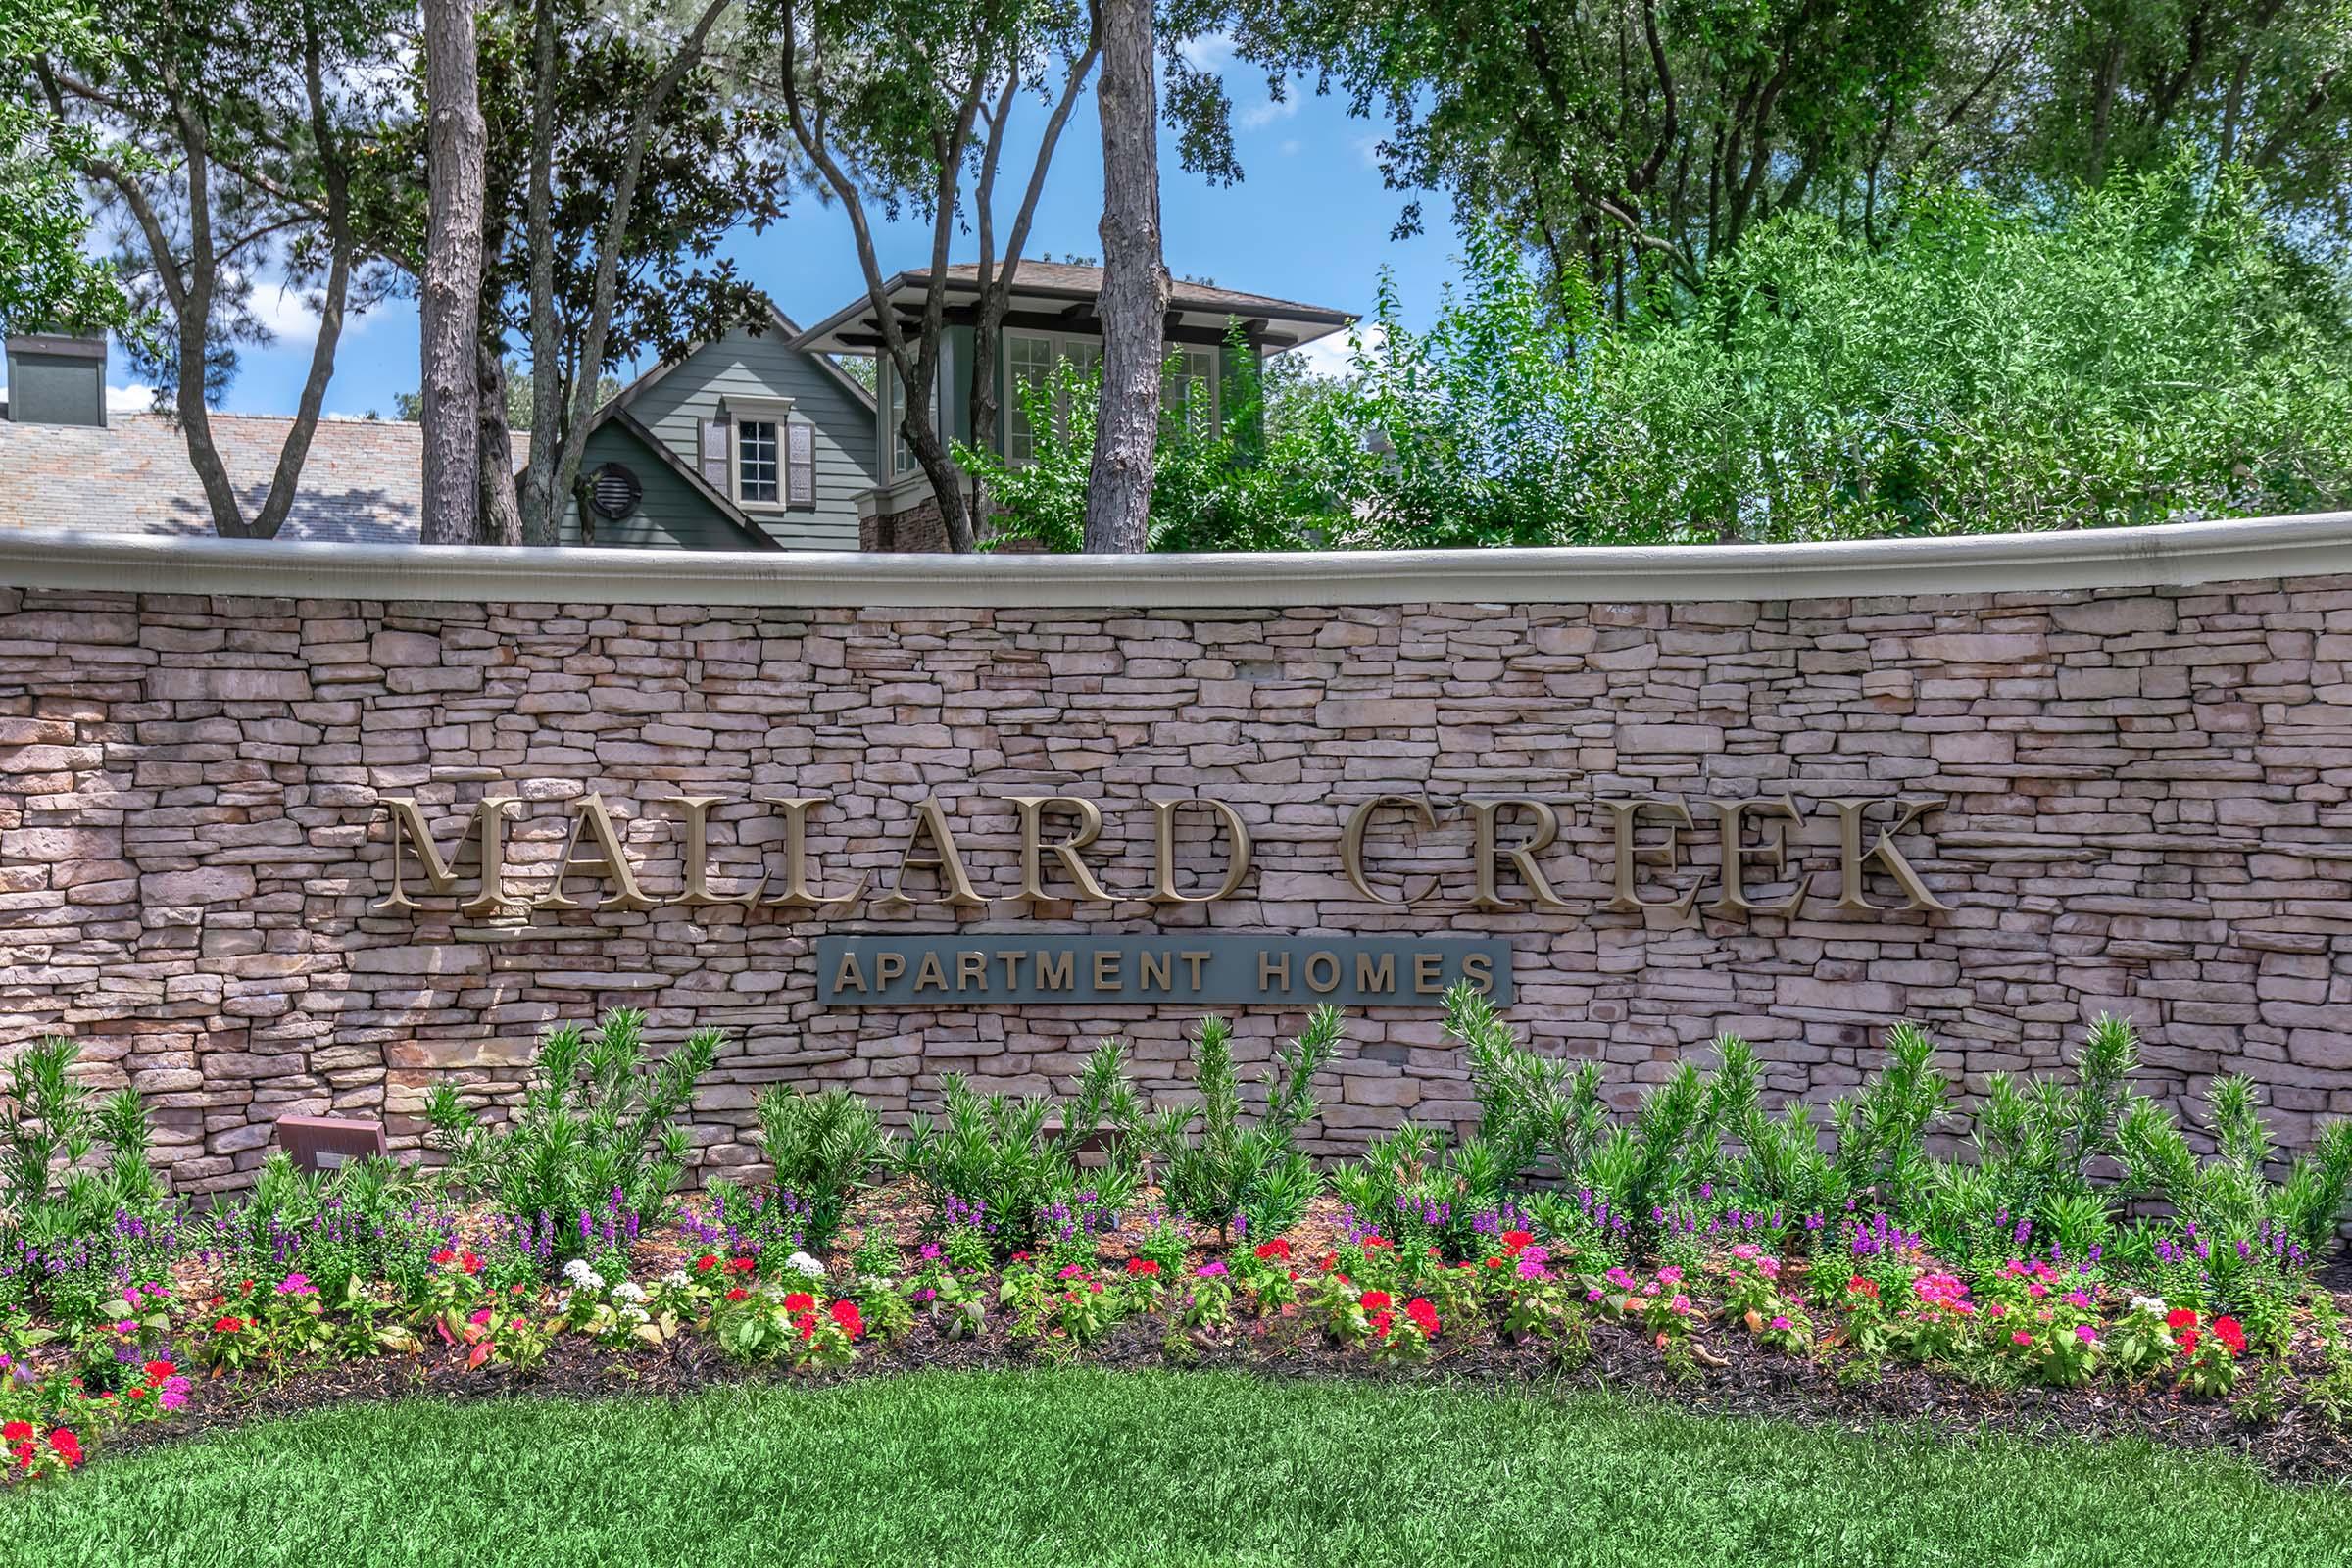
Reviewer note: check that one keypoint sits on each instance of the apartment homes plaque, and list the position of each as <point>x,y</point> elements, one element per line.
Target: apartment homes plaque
<point>1222,970</point>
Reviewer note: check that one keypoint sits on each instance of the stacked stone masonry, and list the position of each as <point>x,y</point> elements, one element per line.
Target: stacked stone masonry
<point>2145,810</point>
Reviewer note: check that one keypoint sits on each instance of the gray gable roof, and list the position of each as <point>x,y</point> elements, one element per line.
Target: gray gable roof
<point>362,481</point>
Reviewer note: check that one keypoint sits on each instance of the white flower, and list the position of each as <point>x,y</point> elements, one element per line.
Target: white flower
<point>676,1279</point>
<point>2148,1303</point>
<point>629,1291</point>
<point>583,1276</point>
<point>803,1263</point>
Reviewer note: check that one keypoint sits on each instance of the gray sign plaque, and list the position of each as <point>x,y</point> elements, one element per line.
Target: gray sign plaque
<point>973,968</point>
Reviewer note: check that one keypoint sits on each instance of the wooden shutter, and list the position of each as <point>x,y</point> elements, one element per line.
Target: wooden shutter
<point>715,456</point>
<point>800,464</point>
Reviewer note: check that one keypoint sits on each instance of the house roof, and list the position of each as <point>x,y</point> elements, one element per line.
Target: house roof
<point>788,329</point>
<point>362,481</point>
<point>1062,285</point>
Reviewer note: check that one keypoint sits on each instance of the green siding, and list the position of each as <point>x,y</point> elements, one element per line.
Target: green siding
<point>759,367</point>
<point>671,515</point>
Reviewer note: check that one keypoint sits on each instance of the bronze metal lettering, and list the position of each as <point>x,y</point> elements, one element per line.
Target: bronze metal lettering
<point>487,824</point>
<point>798,894</point>
<point>1163,838</point>
<point>1621,818</point>
<point>1522,856</point>
<point>1351,840</point>
<point>942,858</point>
<point>1090,827</point>
<point>1733,898</point>
<point>612,862</point>
<point>1853,860</point>
<point>698,894</point>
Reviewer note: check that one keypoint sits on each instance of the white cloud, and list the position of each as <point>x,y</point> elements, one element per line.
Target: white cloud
<point>284,311</point>
<point>1212,52</point>
<point>1259,116</point>
<point>1332,357</point>
<point>1290,148</point>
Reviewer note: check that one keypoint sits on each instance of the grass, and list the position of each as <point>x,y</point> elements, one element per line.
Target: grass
<point>1099,1467</point>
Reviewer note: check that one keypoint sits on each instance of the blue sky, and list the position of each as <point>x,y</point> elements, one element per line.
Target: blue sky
<point>1309,221</point>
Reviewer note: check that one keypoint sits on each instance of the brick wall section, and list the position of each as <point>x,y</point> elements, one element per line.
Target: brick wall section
<point>2147,811</point>
<point>914,530</point>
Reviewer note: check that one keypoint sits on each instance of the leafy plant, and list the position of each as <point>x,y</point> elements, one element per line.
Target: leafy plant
<point>987,1162</point>
<point>1256,1178</point>
<point>822,1147</point>
<point>2035,1145</point>
<point>596,1126</point>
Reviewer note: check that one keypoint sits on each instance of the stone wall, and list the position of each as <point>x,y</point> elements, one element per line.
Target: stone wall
<point>2145,809</point>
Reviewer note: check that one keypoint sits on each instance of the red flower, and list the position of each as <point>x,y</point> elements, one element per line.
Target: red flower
<point>737,1294</point>
<point>2225,1330</point>
<point>800,1301</point>
<point>1020,1257</point>
<point>1374,1300</point>
<point>16,1431</point>
<point>2181,1317</point>
<point>1370,1242</point>
<point>136,1393</point>
<point>1496,1262</point>
<point>1423,1314</point>
<point>157,1371</point>
<point>1515,1242</point>
<point>228,1325</point>
<point>846,1314</point>
<point>67,1447</point>
<point>1279,1246</point>
<point>1381,1321</point>
<point>444,1255</point>
<point>743,1265</point>
<point>2188,1341</point>
<point>1141,1265</point>
<point>705,1263</point>
<point>470,1262</point>
<point>24,1452</point>
<point>806,1322</point>
<point>1862,1287</point>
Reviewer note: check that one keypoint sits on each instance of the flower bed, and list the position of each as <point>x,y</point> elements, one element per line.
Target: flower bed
<point>1704,1249</point>
<point>2033,1343</point>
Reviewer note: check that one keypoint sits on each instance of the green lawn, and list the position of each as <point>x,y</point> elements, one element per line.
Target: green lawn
<point>1093,1467</point>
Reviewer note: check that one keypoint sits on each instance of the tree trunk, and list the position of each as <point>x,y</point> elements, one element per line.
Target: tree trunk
<point>501,509</point>
<point>450,300</point>
<point>1135,285</point>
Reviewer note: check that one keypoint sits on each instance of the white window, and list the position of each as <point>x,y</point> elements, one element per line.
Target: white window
<point>1188,386</point>
<point>1028,362</point>
<point>766,449</point>
<point>759,480</point>
<point>1032,358</point>
<point>894,413</point>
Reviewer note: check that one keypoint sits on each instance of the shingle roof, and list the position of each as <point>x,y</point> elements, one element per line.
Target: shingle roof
<point>1067,277</point>
<point>362,481</point>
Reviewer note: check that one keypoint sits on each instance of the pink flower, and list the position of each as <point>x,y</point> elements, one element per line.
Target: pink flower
<point>1670,1275</point>
<point>2020,1337</point>
<point>1781,1322</point>
<point>2086,1333</point>
<point>1681,1303</point>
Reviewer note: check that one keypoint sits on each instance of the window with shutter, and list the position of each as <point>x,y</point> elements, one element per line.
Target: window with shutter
<point>800,464</point>
<point>755,463</point>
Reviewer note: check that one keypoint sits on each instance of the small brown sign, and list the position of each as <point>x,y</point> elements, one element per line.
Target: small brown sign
<point>329,1143</point>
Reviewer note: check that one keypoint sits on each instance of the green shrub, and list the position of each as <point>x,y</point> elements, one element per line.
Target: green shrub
<point>595,1133</point>
<point>369,1220</point>
<point>821,1147</point>
<point>81,1225</point>
<point>2036,1145</point>
<point>1257,1177</point>
<point>988,1163</point>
